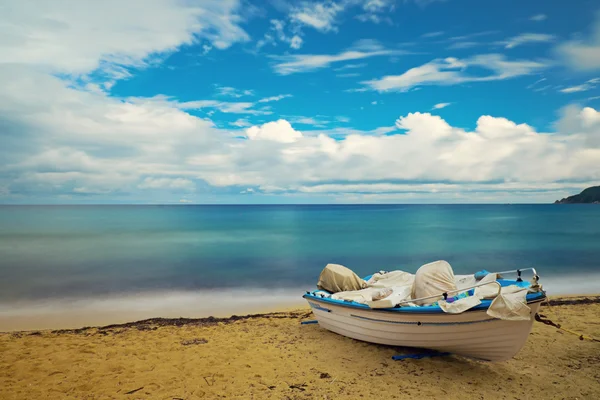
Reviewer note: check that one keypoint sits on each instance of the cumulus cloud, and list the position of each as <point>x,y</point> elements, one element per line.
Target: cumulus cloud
<point>88,144</point>
<point>582,55</point>
<point>452,71</point>
<point>277,131</point>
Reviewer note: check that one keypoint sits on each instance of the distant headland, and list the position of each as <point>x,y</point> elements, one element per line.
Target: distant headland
<point>589,195</point>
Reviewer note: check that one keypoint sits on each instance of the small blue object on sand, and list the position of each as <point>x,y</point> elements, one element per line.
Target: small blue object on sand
<point>418,356</point>
<point>312,321</point>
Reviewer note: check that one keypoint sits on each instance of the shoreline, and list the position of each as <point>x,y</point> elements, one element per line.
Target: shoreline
<point>264,312</point>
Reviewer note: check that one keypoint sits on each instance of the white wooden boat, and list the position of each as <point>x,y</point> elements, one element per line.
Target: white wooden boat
<point>472,333</point>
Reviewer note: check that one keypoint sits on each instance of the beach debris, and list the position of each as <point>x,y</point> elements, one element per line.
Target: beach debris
<point>212,378</point>
<point>324,375</point>
<point>154,323</point>
<point>299,386</point>
<point>134,390</point>
<point>194,341</point>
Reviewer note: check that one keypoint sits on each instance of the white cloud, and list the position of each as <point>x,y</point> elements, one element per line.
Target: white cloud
<point>452,71</point>
<point>582,55</point>
<point>241,107</point>
<point>79,37</point>
<point>295,63</point>
<point>376,10</point>
<point>274,98</point>
<point>526,38</point>
<point>357,90</point>
<point>374,102</point>
<point>320,16</point>
<point>472,35</point>
<point>277,131</point>
<point>348,75</point>
<point>463,45</point>
<point>241,123</point>
<point>538,17</point>
<point>166,183</point>
<point>536,82</point>
<point>590,84</point>
<point>432,34</point>
<point>227,91</point>
<point>83,143</point>
<point>440,106</point>
<point>317,121</point>
<point>296,42</point>
<point>277,31</point>
<point>350,66</point>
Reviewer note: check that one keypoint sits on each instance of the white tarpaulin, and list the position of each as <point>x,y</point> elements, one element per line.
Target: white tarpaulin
<point>337,278</point>
<point>510,306</point>
<point>391,279</point>
<point>360,296</point>
<point>399,294</point>
<point>460,305</point>
<point>431,279</point>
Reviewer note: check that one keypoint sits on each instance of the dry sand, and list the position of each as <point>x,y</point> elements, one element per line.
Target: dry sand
<point>273,356</point>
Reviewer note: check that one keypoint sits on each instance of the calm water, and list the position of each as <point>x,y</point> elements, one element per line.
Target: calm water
<point>57,252</point>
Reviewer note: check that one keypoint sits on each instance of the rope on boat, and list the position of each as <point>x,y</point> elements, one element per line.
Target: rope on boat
<point>544,320</point>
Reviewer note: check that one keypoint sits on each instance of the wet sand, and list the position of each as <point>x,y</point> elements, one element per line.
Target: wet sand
<point>273,356</point>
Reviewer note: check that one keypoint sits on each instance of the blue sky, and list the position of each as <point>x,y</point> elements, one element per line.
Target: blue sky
<point>349,101</point>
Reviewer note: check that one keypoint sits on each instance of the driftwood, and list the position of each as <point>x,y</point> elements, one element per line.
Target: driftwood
<point>194,341</point>
<point>134,390</point>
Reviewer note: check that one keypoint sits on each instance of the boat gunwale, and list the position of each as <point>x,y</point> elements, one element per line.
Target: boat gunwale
<point>531,299</point>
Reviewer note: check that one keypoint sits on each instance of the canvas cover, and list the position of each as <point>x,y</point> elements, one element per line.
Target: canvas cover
<point>431,279</point>
<point>391,279</point>
<point>511,306</point>
<point>337,278</point>
<point>363,296</point>
<point>459,306</point>
<point>399,294</point>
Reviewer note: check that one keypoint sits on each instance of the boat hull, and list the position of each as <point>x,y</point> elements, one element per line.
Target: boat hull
<point>472,333</point>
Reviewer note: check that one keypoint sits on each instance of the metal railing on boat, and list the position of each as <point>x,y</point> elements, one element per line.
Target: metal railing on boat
<point>445,294</point>
<point>536,277</point>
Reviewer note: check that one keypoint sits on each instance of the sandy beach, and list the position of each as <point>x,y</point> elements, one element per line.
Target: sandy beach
<point>273,356</point>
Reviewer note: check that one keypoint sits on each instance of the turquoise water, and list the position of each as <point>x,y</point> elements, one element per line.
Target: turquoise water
<point>57,252</point>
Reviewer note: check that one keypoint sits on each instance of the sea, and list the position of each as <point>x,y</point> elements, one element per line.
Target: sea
<point>112,263</point>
